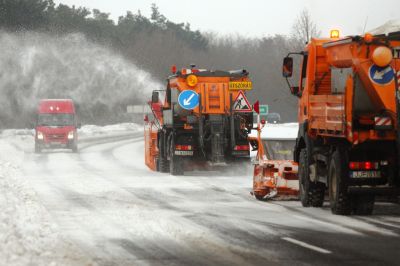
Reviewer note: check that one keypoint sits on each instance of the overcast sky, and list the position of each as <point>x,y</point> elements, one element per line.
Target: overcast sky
<point>256,18</point>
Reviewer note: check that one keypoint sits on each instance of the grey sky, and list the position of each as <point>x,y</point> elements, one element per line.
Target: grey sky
<point>257,18</point>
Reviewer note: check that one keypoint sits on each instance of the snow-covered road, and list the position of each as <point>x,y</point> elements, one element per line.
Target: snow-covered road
<point>104,206</point>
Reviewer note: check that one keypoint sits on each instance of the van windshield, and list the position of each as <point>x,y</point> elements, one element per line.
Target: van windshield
<point>56,120</point>
<point>279,149</point>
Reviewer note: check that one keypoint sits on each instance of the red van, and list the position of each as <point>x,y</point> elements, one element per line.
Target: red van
<point>56,125</point>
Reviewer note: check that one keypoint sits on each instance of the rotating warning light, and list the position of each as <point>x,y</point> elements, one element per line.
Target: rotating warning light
<point>335,34</point>
<point>191,80</point>
<point>368,37</point>
<point>173,69</point>
<point>382,56</point>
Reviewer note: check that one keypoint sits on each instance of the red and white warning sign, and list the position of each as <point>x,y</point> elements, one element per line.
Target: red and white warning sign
<point>398,80</point>
<point>241,104</point>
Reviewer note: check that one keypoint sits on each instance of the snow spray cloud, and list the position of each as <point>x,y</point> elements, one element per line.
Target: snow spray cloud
<point>35,66</point>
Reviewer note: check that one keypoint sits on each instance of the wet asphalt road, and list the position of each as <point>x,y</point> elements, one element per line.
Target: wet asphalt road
<point>118,212</point>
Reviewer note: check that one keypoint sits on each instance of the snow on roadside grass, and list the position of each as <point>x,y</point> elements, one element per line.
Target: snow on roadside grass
<point>28,235</point>
<point>92,130</point>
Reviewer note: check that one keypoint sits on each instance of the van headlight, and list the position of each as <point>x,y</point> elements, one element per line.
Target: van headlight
<point>71,135</point>
<point>40,135</point>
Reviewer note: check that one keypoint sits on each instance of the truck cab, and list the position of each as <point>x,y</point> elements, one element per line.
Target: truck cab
<point>56,125</point>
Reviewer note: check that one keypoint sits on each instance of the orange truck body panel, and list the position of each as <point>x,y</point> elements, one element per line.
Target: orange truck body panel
<point>214,90</point>
<point>331,114</point>
<point>150,143</point>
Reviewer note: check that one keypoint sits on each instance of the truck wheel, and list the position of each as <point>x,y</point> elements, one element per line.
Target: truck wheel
<point>163,165</point>
<point>37,149</point>
<point>364,204</point>
<point>311,193</point>
<point>175,166</point>
<point>337,175</point>
<point>75,148</point>
<point>258,196</point>
<point>175,163</point>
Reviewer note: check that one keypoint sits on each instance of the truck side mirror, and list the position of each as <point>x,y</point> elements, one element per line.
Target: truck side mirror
<point>146,118</point>
<point>79,125</point>
<point>154,97</point>
<point>287,68</point>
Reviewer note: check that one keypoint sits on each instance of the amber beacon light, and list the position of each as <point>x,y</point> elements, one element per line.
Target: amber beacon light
<point>191,80</point>
<point>335,34</point>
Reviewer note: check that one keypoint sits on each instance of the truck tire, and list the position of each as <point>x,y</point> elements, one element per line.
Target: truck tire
<point>337,174</point>
<point>163,165</point>
<point>364,204</point>
<point>75,148</point>
<point>37,149</point>
<point>175,163</point>
<point>311,193</point>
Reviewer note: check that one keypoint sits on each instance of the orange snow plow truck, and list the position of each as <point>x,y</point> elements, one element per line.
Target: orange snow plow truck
<point>275,173</point>
<point>348,140</point>
<point>205,116</point>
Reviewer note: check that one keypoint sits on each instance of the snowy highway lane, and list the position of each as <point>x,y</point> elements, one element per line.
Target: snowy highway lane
<point>117,212</point>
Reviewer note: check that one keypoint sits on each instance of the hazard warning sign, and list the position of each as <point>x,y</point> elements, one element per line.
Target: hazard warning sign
<point>241,104</point>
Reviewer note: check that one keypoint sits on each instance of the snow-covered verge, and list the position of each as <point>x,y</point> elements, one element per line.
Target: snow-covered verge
<point>28,235</point>
<point>278,131</point>
<point>92,130</point>
<point>388,27</point>
<point>84,131</point>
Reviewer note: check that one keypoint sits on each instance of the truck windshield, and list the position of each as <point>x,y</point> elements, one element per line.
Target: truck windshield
<point>56,120</point>
<point>279,149</point>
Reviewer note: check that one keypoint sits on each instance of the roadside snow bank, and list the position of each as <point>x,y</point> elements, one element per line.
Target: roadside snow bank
<point>278,131</point>
<point>28,236</point>
<point>388,27</point>
<point>92,130</point>
<point>86,130</point>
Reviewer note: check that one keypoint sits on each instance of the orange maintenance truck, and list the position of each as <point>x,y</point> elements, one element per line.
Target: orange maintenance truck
<point>204,116</point>
<point>348,139</point>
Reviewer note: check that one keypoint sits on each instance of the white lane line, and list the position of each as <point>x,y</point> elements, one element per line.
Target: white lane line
<point>304,244</point>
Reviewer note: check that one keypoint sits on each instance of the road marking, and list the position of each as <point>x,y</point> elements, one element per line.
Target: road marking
<point>304,244</point>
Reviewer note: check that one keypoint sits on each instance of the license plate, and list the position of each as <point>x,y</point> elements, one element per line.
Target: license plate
<point>365,174</point>
<point>184,153</point>
<point>240,85</point>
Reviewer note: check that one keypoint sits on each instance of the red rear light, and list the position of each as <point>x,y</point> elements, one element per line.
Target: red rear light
<point>183,147</point>
<point>241,148</point>
<point>353,165</point>
<point>368,165</point>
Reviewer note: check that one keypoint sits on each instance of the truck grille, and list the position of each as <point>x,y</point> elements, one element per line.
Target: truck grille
<point>56,136</point>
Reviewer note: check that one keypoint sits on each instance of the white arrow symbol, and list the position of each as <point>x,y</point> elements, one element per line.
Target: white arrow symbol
<point>379,74</point>
<point>187,101</point>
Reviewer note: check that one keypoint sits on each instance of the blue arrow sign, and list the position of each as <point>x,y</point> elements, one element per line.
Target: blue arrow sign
<point>381,75</point>
<point>188,99</point>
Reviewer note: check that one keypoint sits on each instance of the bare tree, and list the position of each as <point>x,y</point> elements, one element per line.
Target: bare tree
<point>304,29</point>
